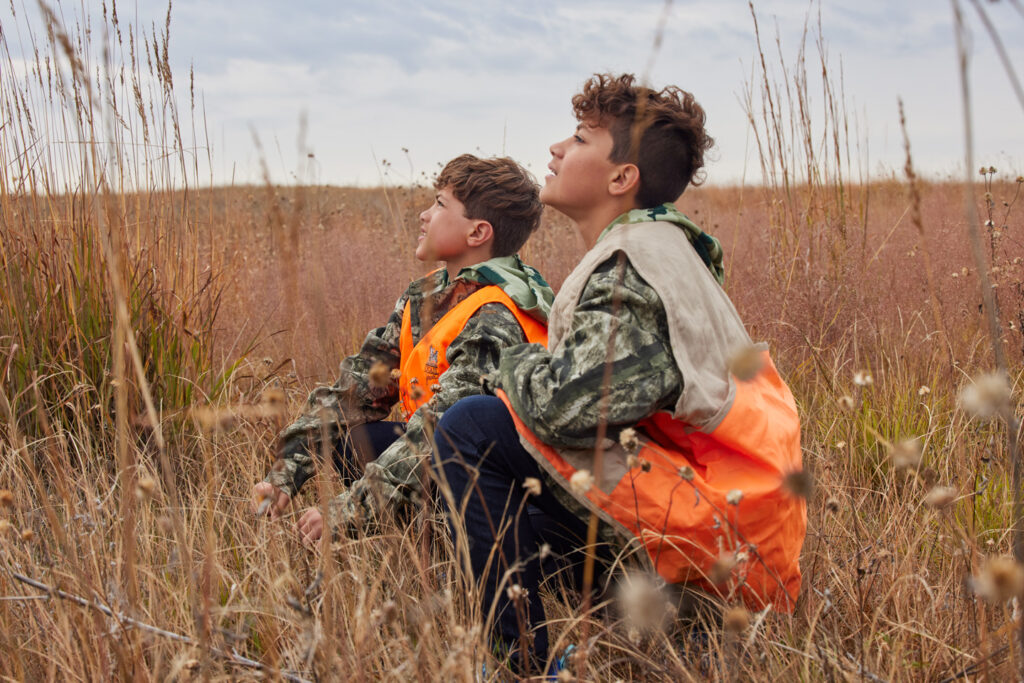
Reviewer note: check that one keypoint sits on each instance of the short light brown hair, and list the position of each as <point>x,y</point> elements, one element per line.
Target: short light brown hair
<point>499,191</point>
<point>661,131</point>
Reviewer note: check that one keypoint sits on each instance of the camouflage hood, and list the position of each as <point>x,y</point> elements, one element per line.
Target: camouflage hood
<point>707,247</point>
<point>523,284</point>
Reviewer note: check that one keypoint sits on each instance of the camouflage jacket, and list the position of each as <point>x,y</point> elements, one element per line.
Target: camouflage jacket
<point>560,395</point>
<point>394,478</point>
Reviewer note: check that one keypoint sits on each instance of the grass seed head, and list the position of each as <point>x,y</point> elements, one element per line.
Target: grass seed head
<point>734,497</point>
<point>686,473</point>
<point>532,486</point>
<point>736,619</point>
<point>515,592</point>
<point>144,488</point>
<point>6,499</point>
<point>581,481</point>
<point>863,378</point>
<point>629,440</point>
<point>799,484</point>
<point>985,396</point>
<point>721,568</point>
<point>906,454</point>
<point>940,497</point>
<point>380,375</point>
<point>846,403</point>
<point>832,505</point>
<point>5,527</point>
<point>641,600</point>
<point>1000,579</point>
<point>27,535</point>
<point>745,363</point>
<point>396,374</point>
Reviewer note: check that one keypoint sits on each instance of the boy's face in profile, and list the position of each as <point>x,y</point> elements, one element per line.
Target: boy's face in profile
<point>580,170</point>
<point>444,228</point>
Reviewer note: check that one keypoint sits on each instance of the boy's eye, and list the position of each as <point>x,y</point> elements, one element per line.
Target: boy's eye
<point>577,138</point>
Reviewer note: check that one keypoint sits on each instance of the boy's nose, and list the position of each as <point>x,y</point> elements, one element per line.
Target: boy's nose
<point>423,215</point>
<point>555,148</point>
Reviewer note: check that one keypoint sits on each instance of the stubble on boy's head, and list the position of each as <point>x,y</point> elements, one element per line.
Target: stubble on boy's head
<point>499,191</point>
<point>662,132</point>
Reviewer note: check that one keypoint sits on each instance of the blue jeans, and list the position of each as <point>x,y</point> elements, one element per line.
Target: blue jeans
<point>362,444</point>
<point>481,457</point>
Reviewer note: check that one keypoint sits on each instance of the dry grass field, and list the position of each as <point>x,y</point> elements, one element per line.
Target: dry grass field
<point>155,334</point>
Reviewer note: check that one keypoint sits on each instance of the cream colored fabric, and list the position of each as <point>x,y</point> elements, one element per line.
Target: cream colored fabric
<point>704,328</point>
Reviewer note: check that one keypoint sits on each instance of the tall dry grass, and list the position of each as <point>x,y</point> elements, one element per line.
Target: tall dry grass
<point>155,334</point>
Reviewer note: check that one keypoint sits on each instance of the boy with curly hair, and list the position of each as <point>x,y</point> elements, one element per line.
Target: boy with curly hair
<point>634,425</point>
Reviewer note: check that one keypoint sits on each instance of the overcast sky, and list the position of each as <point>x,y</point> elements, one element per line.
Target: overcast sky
<point>444,77</point>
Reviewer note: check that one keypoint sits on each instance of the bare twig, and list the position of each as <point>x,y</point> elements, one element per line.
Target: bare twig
<point>232,657</point>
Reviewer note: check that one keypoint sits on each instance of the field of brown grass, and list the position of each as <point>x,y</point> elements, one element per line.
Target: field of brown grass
<point>146,328</point>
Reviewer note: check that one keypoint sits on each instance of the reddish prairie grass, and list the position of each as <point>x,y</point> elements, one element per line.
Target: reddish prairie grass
<point>145,331</point>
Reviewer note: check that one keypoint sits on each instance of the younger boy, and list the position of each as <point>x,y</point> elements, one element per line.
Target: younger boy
<point>641,337</point>
<point>446,331</point>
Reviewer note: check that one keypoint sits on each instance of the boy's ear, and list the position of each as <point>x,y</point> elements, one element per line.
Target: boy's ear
<point>481,234</point>
<point>625,181</point>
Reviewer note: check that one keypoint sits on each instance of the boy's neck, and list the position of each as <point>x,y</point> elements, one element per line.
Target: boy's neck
<point>593,223</point>
<point>470,257</point>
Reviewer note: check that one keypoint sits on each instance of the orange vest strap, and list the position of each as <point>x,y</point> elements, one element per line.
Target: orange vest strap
<point>423,363</point>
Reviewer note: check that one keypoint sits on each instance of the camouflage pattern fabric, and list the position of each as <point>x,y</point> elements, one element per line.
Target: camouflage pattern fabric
<point>355,398</point>
<point>558,395</point>
<point>395,479</point>
<point>707,247</point>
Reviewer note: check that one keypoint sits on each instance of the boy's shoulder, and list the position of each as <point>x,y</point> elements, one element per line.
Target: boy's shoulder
<point>432,282</point>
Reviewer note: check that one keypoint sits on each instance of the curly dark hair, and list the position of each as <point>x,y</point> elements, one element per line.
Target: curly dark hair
<point>661,131</point>
<point>499,191</point>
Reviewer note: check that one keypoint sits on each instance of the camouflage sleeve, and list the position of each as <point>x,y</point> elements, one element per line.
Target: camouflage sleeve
<point>353,400</point>
<point>394,480</point>
<point>558,395</point>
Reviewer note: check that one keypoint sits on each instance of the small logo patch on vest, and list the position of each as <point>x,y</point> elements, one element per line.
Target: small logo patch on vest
<point>431,367</point>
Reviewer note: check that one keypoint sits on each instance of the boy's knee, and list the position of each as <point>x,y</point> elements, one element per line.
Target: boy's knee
<point>468,414</point>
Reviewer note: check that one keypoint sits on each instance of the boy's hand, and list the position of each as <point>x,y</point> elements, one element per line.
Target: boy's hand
<point>310,526</point>
<point>267,499</point>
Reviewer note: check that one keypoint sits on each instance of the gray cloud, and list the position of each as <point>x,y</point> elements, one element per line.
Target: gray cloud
<point>453,76</point>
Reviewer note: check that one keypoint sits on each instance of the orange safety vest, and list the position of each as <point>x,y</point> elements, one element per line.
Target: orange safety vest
<point>687,525</point>
<point>422,364</point>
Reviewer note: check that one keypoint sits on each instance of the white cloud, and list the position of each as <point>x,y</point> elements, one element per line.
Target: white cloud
<point>455,76</point>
